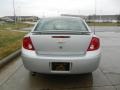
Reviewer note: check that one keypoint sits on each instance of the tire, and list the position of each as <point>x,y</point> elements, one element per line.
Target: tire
<point>33,73</point>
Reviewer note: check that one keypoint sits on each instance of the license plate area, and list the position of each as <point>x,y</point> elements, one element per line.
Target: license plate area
<point>60,66</point>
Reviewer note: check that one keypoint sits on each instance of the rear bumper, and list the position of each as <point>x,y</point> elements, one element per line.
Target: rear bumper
<point>79,64</point>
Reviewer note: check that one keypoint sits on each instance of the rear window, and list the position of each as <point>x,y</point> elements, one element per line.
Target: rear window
<point>61,24</point>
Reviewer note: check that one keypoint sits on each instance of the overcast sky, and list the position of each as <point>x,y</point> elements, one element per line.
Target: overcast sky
<point>55,7</point>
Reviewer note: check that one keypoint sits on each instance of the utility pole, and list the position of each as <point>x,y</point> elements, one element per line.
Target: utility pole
<point>95,16</point>
<point>14,11</point>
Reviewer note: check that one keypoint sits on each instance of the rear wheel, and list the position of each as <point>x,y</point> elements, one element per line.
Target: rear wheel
<point>33,73</point>
<point>89,74</point>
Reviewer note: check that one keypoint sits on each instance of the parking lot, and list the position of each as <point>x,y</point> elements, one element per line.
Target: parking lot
<point>107,77</point>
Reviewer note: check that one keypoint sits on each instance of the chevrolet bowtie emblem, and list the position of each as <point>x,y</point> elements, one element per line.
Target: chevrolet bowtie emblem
<point>60,41</point>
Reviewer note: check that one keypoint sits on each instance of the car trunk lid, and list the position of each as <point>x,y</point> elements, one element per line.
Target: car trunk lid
<point>61,44</point>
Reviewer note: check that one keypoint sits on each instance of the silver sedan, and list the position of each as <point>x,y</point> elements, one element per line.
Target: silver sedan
<point>61,45</point>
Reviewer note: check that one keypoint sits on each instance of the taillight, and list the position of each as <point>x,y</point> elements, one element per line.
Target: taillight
<point>27,43</point>
<point>94,44</point>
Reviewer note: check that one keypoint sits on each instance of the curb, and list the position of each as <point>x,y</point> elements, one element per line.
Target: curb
<point>9,58</point>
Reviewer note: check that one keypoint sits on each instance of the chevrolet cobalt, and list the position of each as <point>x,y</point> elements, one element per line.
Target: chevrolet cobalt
<point>61,45</point>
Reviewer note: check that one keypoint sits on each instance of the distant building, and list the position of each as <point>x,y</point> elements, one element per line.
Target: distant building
<point>23,18</point>
<point>96,18</point>
<point>102,18</point>
<point>6,19</point>
<point>71,15</point>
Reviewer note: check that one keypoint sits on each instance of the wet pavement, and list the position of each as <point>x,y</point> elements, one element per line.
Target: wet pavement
<point>107,77</point>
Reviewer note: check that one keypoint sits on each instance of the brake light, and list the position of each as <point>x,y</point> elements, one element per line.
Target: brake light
<point>27,43</point>
<point>94,44</point>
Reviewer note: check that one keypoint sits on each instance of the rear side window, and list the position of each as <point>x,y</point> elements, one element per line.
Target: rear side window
<point>61,24</point>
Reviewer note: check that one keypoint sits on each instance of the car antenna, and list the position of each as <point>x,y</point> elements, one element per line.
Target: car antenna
<point>95,16</point>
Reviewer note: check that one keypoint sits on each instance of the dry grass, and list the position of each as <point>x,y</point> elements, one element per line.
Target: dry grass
<point>12,26</point>
<point>10,41</point>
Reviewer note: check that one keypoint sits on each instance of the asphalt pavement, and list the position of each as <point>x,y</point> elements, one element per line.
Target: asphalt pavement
<point>107,77</point>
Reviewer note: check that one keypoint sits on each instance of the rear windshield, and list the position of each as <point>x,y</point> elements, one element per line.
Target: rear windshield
<point>61,25</point>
